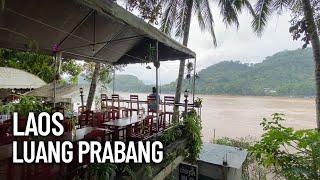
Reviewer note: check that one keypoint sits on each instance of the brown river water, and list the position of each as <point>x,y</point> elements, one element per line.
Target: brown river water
<point>240,116</point>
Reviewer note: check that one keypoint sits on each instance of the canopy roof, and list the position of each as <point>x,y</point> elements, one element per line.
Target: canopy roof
<point>98,30</point>
<point>11,78</point>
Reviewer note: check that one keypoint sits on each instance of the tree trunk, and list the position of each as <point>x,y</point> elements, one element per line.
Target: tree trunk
<point>183,61</point>
<point>315,43</point>
<point>93,85</point>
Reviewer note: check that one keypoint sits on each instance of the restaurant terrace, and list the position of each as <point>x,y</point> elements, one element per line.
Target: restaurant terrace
<point>104,32</point>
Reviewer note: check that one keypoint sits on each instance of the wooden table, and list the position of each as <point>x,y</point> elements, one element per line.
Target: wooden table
<point>80,133</point>
<point>6,150</point>
<point>126,122</point>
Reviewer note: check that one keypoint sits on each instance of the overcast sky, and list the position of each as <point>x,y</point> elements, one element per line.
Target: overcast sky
<point>233,44</point>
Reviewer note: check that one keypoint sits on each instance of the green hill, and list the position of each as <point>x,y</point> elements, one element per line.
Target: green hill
<point>287,73</point>
<point>129,83</point>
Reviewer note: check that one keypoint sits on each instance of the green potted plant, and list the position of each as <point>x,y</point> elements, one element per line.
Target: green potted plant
<point>198,102</point>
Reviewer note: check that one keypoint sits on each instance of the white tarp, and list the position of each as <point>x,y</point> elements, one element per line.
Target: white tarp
<point>11,78</point>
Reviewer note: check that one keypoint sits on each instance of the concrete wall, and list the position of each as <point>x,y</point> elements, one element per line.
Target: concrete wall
<point>211,171</point>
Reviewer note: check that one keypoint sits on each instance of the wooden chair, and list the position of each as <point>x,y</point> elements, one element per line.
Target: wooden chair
<point>82,109</point>
<point>104,102</point>
<point>115,101</point>
<point>98,135</point>
<point>86,119</point>
<point>134,104</point>
<point>111,114</point>
<point>37,171</point>
<point>99,119</point>
<point>58,109</point>
<point>167,114</point>
<point>142,131</point>
<point>151,99</point>
<point>116,105</point>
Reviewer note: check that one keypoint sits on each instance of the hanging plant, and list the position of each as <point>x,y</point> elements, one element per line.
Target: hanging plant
<point>197,76</point>
<point>189,67</point>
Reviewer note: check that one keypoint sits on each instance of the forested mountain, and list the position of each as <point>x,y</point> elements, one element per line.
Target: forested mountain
<point>287,73</point>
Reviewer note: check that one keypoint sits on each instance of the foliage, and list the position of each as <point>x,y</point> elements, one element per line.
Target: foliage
<point>298,27</point>
<point>148,9</point>
<point>38,64</point>
<point>102,171</point>
<point>149,171</point>
<point>192,131</point>
<point>171,135</point>
<point>198,102</point>
<point>104,73</point>
<point>294,154</point>
<point>26,104</point>
<point>242,143</point>
<point>250,168</point>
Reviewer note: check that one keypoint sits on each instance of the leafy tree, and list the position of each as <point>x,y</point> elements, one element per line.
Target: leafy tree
<point>307,26</point>
<point>97,73</point>
<point>293,154</point>
<point>38,64</point>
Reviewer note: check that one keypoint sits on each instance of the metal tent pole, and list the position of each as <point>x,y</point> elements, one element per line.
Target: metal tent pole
<point>194,80</point>
<point>157,82</point>
<point>56,75</point>
<point>113,79</point>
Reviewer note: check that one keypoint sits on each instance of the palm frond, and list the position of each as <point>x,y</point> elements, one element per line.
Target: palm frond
<point>167,20</point>
<point>229,11</point>
<point>263,9</point>
<point>198,10</point>
<point>280,4</point>
<point>249,7</point>
<point>181,18</point>
<point>205,18</point>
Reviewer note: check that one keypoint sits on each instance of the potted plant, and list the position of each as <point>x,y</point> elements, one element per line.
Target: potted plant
<point>198,102</point>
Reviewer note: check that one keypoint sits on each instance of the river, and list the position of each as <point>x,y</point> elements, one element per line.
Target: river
<point>240,116</point>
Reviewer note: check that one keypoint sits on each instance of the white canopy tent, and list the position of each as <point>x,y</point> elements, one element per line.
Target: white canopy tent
<point>11,78</point>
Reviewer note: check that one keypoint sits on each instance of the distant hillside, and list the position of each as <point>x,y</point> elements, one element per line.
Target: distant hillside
<point>287,73</point>
<point>129,83</point>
